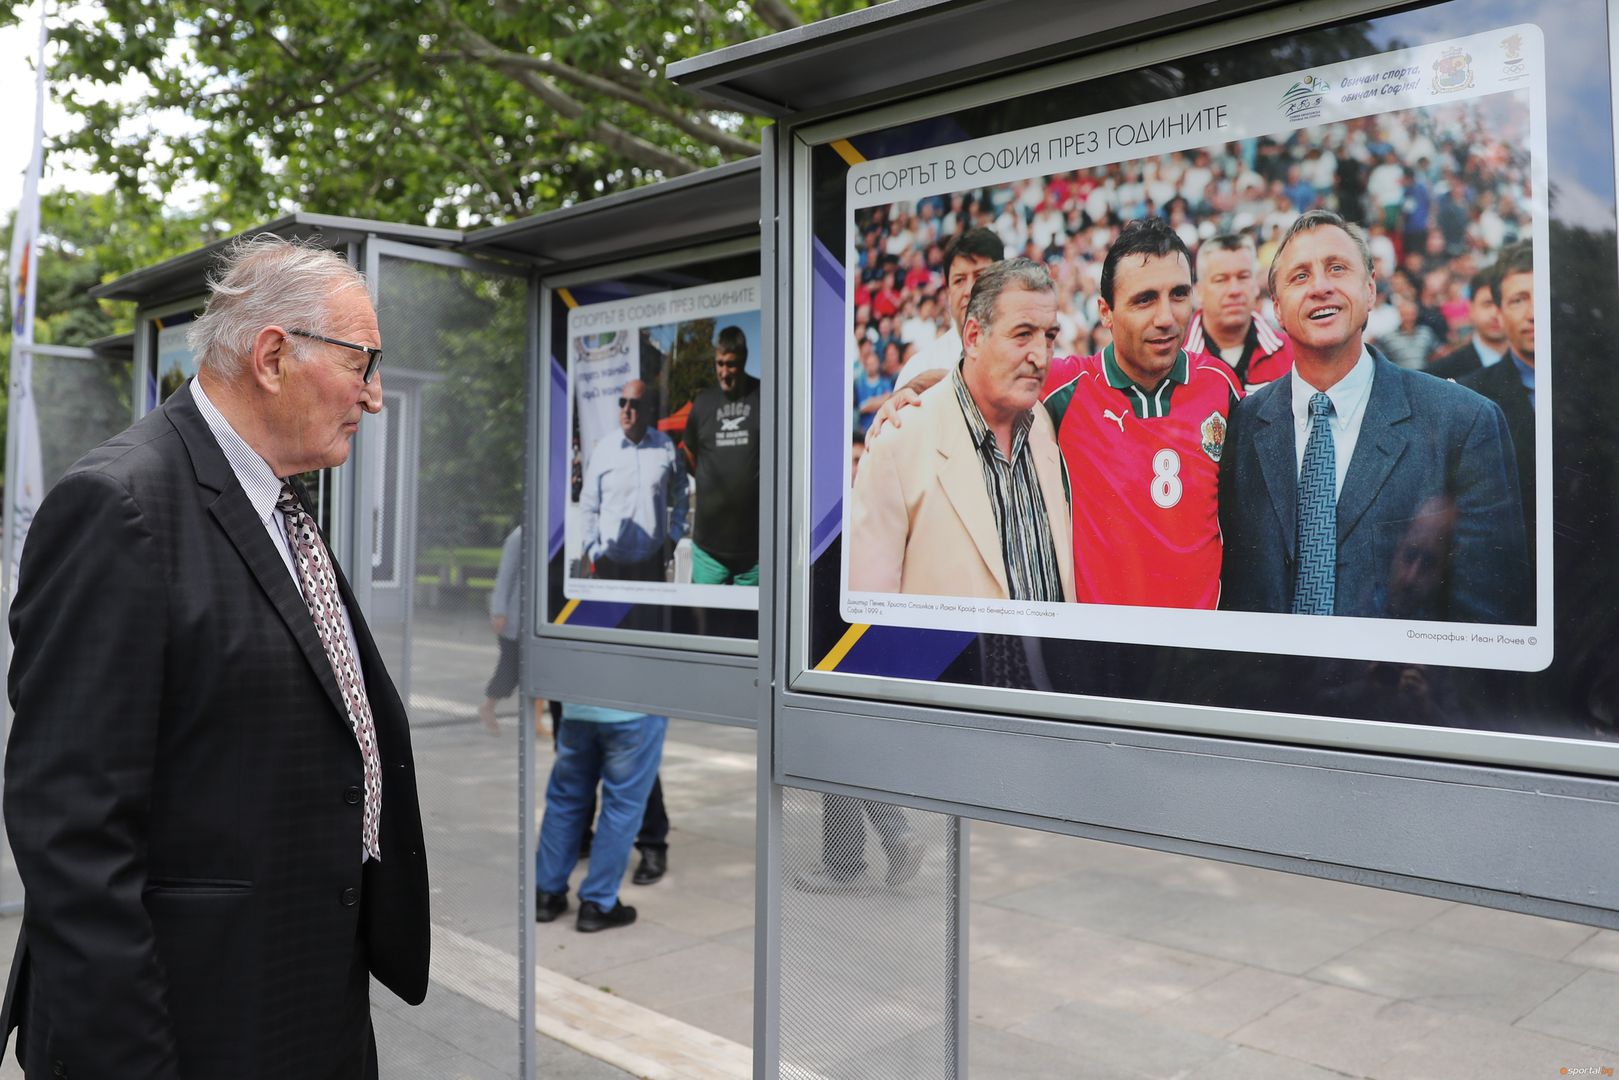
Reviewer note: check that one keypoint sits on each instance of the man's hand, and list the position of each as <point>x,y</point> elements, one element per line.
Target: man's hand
<point>905,395</point>
<point>499,623</point>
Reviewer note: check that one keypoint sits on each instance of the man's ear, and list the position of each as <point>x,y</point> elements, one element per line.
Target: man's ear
<point>1104,311</point>
<point>272,352</point>
<point>972,332</point>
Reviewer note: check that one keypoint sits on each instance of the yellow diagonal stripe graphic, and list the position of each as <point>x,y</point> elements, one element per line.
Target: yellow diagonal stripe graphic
<point>831,660</point>
<point>567,610</point>
<point>847,152</point>
<point>567,298</point>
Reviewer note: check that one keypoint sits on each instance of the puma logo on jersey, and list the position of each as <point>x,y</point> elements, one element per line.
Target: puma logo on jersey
<point>1109,414</point>
<point>732,424</point>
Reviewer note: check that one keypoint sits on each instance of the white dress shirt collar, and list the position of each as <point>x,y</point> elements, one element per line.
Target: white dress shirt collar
<point>1349,396</point>
<point>259,482</point>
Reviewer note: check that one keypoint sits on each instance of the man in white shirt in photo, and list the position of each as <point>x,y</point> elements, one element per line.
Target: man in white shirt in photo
<point>634,497</point>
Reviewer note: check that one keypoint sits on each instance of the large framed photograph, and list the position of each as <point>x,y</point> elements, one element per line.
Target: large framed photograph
<point>1099,532</point>
<point>1458,124</point>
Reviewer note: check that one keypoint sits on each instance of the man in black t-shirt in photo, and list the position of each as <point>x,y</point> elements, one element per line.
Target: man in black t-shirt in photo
<point>722,447</point>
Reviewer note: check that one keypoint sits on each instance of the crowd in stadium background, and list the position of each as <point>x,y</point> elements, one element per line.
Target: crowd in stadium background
<point>1439,190</point>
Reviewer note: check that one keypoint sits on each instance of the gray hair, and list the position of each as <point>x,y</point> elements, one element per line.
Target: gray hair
<point>1315,219</point>
<point>265,280</point>
<point>1017,273</point>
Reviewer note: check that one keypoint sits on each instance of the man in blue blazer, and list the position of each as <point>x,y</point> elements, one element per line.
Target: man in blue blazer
<point>1354,487</point>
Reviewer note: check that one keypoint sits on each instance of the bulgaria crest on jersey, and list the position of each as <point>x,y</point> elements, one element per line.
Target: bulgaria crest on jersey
<point>1213,431</point>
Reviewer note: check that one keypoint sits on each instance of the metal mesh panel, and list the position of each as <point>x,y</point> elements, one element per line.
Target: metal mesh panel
<point>448,481</point>
<point>868,954</point>
<point>1094,960</point>
<point>81,402</point>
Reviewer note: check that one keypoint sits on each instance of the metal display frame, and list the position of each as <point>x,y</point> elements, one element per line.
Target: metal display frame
<point>1517,823</point>
<point>607,272</point>
<point>708,215</point>
<point>1494,748</point>
<point>698,218</point>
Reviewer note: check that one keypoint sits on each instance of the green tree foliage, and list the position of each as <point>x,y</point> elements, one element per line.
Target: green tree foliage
<point>433,111</point>
<point>451,112</point>
<point>691,367</point>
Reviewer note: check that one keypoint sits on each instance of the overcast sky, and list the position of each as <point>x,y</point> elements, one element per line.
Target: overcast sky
<point>17,49</point>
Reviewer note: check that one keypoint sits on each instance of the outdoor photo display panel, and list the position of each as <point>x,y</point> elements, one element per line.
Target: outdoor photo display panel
<point>1431,129</point>
<point>654,476</point>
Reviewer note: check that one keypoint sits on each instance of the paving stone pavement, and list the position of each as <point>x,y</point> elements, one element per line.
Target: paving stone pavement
<point>1088,960</point>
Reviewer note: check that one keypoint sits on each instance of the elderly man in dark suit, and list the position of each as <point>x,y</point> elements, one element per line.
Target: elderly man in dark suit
<point>209,786</point>
<point>1354,487</point>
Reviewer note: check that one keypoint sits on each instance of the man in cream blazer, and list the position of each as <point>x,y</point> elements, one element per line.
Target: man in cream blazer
<point>968,498</point>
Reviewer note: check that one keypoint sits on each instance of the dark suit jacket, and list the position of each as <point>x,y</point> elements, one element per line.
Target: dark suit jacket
<point>1457,363</point>
<point>1429,520</point>
<point>1500,383</point>
<point>182,788</point>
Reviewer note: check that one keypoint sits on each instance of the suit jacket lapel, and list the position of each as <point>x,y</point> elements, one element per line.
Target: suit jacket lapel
<point>246,533</point>
<point>962,478</point>
<point>1378,447</point>
<point>1278,460</point>
<point>1048,469</point>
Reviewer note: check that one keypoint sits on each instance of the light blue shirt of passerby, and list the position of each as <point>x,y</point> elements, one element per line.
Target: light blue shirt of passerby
<point>598,714</point>
<point>506,597</point>
<point>634,497</point>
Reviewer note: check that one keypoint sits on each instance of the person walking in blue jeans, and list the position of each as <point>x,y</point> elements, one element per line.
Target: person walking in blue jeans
<point>621,751</point>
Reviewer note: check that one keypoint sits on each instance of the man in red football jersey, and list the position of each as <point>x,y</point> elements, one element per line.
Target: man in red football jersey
<point>1141,426</point>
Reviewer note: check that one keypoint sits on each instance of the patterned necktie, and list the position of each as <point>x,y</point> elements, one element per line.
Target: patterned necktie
<point>319,583</point>
<point>1318,515</point>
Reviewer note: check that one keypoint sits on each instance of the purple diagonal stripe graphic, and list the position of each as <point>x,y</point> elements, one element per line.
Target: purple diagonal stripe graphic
<point>599,613</point>
<point>829,400</point>
<point>557,436</point>
<point>899,652</point>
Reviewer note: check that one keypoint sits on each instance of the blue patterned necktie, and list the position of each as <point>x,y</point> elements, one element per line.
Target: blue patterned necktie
<point>319,583</point>
<point>1318,515</point>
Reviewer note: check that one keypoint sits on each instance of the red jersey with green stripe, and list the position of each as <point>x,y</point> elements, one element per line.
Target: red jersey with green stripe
<point>1144,469</point>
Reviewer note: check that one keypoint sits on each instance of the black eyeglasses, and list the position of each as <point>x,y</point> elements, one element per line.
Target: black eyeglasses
<point>373,357</point>
<point>629,403</point>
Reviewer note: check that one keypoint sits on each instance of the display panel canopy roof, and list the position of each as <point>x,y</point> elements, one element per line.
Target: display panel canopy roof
<point>185,275</point>
<point>884,51</point>
<point>701,205</point>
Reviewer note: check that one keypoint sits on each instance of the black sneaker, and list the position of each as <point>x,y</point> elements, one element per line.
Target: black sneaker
<point>654,864</point>
<point>548,905</point>
<point>592,918</point>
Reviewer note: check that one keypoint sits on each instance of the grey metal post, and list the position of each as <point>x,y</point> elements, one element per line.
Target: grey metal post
<point>528,1046</point>
<point>775,328</point>
<point>958,929</point>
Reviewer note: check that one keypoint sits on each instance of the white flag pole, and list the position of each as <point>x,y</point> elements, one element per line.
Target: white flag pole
<point>24,472</point>
<point>24,475</point>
